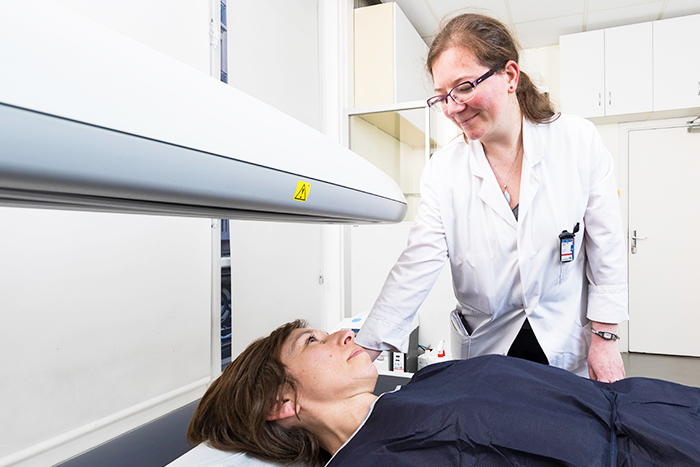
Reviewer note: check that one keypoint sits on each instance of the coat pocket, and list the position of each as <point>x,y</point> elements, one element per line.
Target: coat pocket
<point>565,269</point>
<point>460,340</point>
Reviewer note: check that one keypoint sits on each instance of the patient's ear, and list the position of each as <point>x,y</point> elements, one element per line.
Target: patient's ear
<point>282,410</point>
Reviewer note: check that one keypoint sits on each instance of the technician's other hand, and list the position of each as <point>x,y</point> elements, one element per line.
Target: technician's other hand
<point>373,354</point>
<point>604,361</point>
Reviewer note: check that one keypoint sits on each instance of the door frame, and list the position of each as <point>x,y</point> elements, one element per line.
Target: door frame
<point>624,130</point>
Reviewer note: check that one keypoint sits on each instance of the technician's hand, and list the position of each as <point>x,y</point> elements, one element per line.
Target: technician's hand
<point>604,361</point>
<point>373,354</point>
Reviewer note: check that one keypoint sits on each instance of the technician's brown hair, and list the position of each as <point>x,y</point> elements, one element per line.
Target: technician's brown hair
<point>493,46</point>
<point>232,415</point>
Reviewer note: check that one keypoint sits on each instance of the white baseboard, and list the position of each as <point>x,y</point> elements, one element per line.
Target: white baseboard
<point>74,442</point>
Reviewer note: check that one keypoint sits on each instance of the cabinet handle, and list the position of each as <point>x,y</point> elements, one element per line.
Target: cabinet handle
<point>600,97</point>
<point>698,88</point>
<point>609,97</point>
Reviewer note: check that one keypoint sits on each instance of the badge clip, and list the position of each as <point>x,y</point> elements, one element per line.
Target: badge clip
<point>566,245</point>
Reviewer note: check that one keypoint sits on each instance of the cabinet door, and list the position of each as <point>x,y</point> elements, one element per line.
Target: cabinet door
<point>676,63</point>
<point>582,73</point>
<point>628,69</point>
<point>374,55</point>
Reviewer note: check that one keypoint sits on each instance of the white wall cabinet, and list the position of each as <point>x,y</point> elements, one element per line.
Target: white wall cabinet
<point>607,72</point>
<point>676,68</point>
<point>389,58</point>
<point>628,69</point>
<point>632,72</point>
<point>582,73</point>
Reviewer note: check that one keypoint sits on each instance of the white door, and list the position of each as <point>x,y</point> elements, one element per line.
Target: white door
<point>664,200</point>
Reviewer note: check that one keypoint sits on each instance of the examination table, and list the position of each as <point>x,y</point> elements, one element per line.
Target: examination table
<point>163,442</point>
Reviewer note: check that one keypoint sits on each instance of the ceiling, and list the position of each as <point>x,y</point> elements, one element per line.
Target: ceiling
<point>539,23</point>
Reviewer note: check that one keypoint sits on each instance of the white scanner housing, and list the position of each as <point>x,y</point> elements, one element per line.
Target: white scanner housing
<point>90,119</point>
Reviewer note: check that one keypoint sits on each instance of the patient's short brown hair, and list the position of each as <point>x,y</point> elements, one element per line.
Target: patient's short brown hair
<point>232,414</point>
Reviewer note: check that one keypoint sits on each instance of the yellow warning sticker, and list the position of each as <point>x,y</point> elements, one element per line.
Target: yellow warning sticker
<point>302,191</point>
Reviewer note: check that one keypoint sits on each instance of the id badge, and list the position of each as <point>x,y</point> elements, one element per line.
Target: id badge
<point>566,249</point>
<point>566,245</point>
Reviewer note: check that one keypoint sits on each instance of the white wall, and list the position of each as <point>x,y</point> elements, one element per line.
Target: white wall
<point>106,317</point>
<point>275,50</point>
<point>101,313</point>
<point>542,66</point>
<point>273,55</point>
<point>178,28</point>
<point>375,249</point>
<point>275,270</point>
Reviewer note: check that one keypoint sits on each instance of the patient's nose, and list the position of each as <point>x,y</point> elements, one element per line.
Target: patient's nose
<point>346,337</point>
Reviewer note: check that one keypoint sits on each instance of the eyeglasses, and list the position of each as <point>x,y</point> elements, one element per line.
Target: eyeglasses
<point>461,94</point>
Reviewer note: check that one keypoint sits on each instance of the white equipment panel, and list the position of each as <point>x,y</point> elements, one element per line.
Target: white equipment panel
<point>94,120</point>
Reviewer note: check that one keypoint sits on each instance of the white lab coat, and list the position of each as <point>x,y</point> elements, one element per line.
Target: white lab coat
<point>504,269</point>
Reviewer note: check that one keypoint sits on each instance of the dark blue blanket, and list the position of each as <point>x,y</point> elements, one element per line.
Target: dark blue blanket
<point>500,411</point>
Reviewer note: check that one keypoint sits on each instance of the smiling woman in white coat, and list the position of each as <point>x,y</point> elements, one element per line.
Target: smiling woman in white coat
<point>525,207</point>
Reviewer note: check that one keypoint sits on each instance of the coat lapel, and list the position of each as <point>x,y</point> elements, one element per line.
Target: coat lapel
<point>490,193</point>
<point>533,155</point>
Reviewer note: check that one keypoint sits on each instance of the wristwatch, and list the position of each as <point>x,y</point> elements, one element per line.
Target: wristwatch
<point>608,336</point>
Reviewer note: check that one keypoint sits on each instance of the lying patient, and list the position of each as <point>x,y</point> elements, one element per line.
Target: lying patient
<point>301,395</point>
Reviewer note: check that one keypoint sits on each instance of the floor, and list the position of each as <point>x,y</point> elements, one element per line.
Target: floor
<point>683,370</point>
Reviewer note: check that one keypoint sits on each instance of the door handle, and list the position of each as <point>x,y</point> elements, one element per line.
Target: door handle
<point>634,241</point>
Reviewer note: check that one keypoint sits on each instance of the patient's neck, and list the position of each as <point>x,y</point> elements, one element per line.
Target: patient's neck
<point>334,423</point>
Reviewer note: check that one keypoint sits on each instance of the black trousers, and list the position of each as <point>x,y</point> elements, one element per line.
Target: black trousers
<point>525,346</point>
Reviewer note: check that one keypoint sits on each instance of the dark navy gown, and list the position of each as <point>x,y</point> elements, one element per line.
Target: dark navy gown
<point>500,411</point>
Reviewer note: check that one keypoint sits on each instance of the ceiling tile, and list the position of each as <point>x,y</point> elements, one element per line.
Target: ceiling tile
<point>546,32</point>
<point>495,8</point>
<point>420,16</point>
<point>675,8</point>
<point>623,16</point>
<point>597,5</point>
<point>529,10</point>
<point>540,22</point>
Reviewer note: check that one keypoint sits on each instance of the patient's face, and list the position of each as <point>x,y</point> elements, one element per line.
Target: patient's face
<point>328,366</point>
